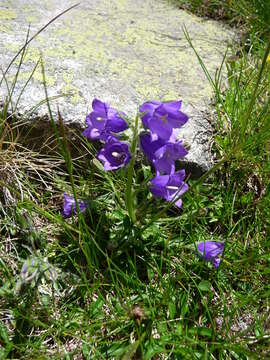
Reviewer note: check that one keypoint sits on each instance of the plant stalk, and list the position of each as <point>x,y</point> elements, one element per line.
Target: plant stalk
<point>129,190</point>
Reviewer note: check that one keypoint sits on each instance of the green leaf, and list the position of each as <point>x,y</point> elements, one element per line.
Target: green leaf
<point>96,306</point>
<point>172,310</point>
<point>131,350</point>
<point>204,331</point>
<point>205,285</point>
<point>3,333</point>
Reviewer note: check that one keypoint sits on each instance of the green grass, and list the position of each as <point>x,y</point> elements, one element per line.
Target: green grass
<point>124,282</point>
<point>252,16</point>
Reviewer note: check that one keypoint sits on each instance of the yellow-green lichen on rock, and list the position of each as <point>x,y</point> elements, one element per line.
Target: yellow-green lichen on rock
<point>5,28</point>
<point>72,92</point>
<point>32,19</point>
<point>7,14</point>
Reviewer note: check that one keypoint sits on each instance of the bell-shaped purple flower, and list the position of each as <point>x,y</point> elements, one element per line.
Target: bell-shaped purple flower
<point>148,109</point>
<point>114,155</point>
<point>162,154</point>
<point>69,208</point>
<point>162,118</point>
<point>211,251</point>
<point>103,121</point>
<point>149,147</point>
<point>169,187</point>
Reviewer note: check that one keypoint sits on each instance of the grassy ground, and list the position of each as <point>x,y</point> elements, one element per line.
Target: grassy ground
<point>99,287</point>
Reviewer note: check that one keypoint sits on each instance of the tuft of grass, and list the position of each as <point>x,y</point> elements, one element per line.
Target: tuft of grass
<point>253,13</point>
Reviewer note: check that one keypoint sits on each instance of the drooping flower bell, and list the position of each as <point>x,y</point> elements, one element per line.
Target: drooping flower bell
<point>162,154</point>
<point>114,155</point>
<point>162,118</point>
<point>149,147</point>
<point>211,251</point>
<point>169,187</point>
<point>69,208</point>
<point>103,121</point>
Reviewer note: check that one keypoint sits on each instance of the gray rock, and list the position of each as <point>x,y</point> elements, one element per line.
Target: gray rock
<point>124,52</point>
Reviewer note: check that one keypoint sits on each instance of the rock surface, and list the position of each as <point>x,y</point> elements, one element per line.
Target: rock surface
<point>123,52</point>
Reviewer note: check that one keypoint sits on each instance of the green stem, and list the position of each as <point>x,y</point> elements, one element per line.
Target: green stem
<point>129,190</point>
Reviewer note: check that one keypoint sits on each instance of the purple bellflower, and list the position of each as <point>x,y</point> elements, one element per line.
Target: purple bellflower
<point>70,206</point>
<point>211,251</point>
<point>114,155</point>
<point>169,187</point>
<point>162,154</point>
<point>166,157</point>
<point>149,147</point>
<point>162,118</point>
<point>103,121</point>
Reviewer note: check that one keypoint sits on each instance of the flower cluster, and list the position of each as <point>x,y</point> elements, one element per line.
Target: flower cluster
<point>160,145</point>
<point>162,148</point>
<point>103,123</point>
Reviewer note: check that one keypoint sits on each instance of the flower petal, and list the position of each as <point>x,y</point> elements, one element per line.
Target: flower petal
<point>211,251</point>
<point>148,108</point>
<point>100,107</point>
<point>70,205</point>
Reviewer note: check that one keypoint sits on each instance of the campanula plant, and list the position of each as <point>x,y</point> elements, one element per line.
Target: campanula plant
<point>162,148</point>
<point>158,141</point>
